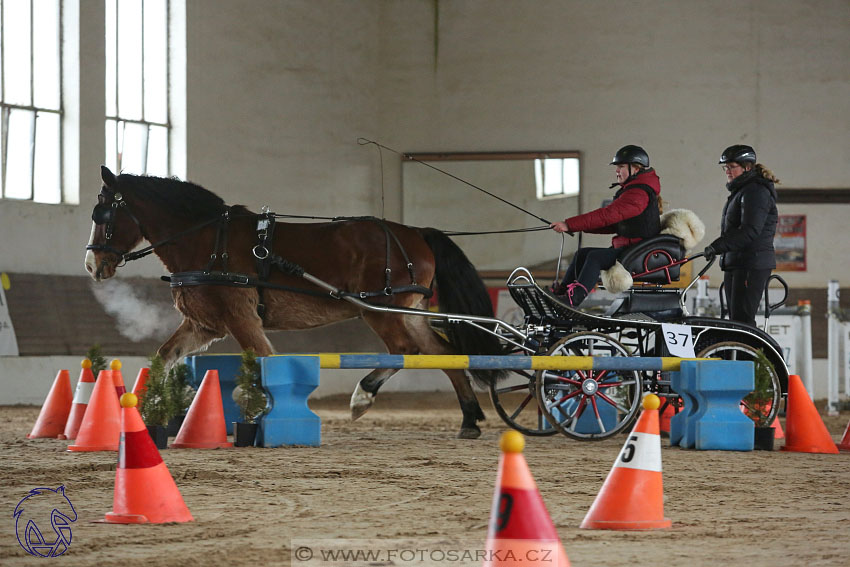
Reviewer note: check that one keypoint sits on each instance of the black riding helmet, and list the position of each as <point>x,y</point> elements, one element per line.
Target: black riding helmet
<point>739,154</point>
<point>631,154</point>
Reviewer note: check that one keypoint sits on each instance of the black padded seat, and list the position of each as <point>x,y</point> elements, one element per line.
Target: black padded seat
<point>660,304</point>
<point>654,255</point>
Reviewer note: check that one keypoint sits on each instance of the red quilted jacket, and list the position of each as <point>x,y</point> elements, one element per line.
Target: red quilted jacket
<point>631,203</point>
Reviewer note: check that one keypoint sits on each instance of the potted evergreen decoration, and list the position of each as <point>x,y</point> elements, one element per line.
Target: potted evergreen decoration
<point>98,361</point>
<point>155,404</point>
<point>758,403</point>
<point>181,395</point>
<point>250,398</point>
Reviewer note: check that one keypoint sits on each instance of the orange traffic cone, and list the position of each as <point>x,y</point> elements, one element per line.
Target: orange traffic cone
<point>54,412</point>
<point>145,491</point>
<point>520,526</point>
<point>804,428</point>
<point>674,405</point>
<point>204,427</point>
<point>632,497</point>
<point>82,395</point>
<point>845,441</point>
<point>140,385</point>
<point>101,425</point>
<point>777,428</point>
<point>115,366</point>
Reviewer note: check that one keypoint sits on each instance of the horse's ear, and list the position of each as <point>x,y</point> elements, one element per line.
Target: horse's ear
<point>107,176</point>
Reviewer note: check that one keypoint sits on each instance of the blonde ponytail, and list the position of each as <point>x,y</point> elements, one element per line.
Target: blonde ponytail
<point>766,173</point>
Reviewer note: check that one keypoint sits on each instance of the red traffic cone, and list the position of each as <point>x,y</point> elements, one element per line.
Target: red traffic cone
<point>101,425</point>
<point>845,441</point>
<point>82,395</point>
<point>805,431</point>
<point>54,412</point>
<point>141,381</point>
<point>115,366</point>
<point>632,497</point>
<point>204,426</point>
<point>520,529</point>
<point>145,491</point>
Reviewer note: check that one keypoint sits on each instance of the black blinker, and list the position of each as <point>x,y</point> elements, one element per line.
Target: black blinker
<point>103,214</point>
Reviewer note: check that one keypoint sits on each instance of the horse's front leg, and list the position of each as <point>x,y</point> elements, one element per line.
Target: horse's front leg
<point>190,337</point>
<point>364,394</point>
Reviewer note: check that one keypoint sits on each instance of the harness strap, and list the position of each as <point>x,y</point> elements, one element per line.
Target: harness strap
<point>265,234</point>
<point>388,234</point>
<point>196,278</point>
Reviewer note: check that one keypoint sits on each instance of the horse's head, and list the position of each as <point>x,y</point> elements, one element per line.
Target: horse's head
<point>115,229</point>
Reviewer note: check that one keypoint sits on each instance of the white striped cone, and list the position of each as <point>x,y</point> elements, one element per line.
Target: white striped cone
<point>82,395</point>
<point>632,497</point>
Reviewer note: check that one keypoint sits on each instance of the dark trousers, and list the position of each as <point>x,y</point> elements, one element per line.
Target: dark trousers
<point>585,268</point>
<point>744,290</point>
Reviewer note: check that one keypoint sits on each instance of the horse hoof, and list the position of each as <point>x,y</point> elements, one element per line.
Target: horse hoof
<point>469,433</point>
<point>361,401</point>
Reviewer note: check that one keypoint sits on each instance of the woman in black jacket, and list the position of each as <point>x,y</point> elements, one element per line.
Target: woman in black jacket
<point>747,228</point>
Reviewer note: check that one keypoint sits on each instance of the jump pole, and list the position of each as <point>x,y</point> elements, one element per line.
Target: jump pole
<point>484,362</point>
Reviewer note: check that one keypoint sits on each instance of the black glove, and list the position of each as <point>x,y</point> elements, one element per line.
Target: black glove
<point>709,253</point>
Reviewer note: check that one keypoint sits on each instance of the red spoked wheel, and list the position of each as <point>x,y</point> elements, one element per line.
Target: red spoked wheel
<point>589,404</point>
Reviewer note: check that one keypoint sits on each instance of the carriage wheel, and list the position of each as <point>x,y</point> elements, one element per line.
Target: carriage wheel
<point>731,350</point>
<point>513,399</point>
<point>589,404</point>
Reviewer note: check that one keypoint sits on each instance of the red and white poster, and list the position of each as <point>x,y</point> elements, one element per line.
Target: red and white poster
<point>790,243</point>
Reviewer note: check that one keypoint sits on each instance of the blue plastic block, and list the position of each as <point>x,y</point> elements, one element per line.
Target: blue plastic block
<point>712,417</point>
<point>227,366</point>
<point>288,381</point>
<point>681,425</point>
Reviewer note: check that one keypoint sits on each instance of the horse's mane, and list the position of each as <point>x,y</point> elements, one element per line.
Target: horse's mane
<point>181,198</point>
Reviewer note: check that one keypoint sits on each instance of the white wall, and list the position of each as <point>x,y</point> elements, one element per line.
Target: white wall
<point>683,79</point>
<point>278,93</point>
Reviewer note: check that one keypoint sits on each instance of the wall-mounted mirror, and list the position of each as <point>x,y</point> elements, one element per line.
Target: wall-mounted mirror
<point>546,184</point>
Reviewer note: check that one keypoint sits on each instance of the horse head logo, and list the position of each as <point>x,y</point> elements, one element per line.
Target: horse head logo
<point>39,503</point>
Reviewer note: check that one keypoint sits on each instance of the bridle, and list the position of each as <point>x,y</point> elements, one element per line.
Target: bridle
<point>104,214</point>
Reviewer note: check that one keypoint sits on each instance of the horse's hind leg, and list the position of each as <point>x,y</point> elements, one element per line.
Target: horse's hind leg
<point>413,335</point>
<point>469,405</point>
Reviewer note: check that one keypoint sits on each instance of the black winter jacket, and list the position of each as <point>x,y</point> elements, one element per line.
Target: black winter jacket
<point>748,224</point>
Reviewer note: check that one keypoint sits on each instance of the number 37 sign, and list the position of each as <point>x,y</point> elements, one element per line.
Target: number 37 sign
<point>679,340</point>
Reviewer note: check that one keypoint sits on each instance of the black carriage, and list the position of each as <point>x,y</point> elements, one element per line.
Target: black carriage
<point>590,405</point>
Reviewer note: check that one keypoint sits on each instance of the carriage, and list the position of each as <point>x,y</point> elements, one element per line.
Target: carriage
<point>238,273</point>
<point>589,405</point>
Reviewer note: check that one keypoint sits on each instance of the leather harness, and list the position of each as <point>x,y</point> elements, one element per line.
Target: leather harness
<point>265,260</point>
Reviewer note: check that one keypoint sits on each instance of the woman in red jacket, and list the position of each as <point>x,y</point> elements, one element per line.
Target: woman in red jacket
<point>632,216</point>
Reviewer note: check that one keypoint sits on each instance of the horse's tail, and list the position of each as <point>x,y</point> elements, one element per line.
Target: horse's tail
<point>461,290</point>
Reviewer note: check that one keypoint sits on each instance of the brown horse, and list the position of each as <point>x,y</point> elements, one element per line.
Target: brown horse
<point>192,230</point>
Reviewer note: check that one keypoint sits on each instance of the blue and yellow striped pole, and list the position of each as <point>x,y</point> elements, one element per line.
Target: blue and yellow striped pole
<point>485,362</point>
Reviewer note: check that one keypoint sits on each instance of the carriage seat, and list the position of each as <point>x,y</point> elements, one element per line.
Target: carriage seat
<point>650,260</point>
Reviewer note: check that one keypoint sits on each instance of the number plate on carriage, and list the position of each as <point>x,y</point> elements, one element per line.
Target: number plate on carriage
<point>679,340</point>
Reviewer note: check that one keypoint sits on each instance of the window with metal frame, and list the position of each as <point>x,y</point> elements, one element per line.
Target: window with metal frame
<point>137,81</point>
<point>31,100</point>
<point>557,176</point>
